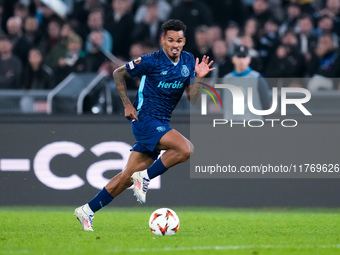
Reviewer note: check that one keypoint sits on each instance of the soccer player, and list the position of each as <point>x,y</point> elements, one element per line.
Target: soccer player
<point>165,74</point>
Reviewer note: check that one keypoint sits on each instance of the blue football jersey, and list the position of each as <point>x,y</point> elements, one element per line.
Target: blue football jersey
<point>162,83</point>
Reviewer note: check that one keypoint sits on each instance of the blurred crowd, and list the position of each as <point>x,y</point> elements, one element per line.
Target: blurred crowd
<point>40,46</point>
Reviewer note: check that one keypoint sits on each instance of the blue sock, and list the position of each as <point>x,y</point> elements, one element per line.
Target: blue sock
<point>100,200</point>
<point>157,168</point>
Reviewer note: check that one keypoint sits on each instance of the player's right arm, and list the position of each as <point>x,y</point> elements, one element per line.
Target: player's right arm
<point>119,76</point>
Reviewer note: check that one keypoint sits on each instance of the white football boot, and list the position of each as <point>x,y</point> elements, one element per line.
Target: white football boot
<point>140,185</point>
<point>85,216</point>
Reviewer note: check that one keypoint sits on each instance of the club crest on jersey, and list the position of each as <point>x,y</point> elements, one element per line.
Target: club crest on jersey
<point>185,71</point>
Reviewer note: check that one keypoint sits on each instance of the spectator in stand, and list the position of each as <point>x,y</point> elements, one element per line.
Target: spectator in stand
<point>295,57</point>
<point>136,50</point>
<point>47,15</point>
<point>326,25</point>
<point>36,10</point>
<point>80,15</point>
<point>193,14</point>
<point>61,48</point>
<point>278,65</point>
<point>306,6</point>
<point>150,28</point>
<point>222,60</point>
<point>215,33</point>
<point>307,39</point>
<point>141,48</point>
<point>95,22</point>
<point>230,35</point>
<point>332,10</point>
<point>31,31</point>
<point>261,12</point>
<point>20,45</point>
<point>241,61</point>
<point>10,65</point>
<point>21,10</point>
<point>53,36</point>
<point>118,22</point>
<point>163,10</point>
<point>325,63</point>
<point>202,43</point>
<point>269,40</point>
<point>287,61</point>
<point>291,20</point>
<point>73,61</point>
<point>251,28</point>
<point>256,61</point>
<point>95,56</point>
<point>37,75</point>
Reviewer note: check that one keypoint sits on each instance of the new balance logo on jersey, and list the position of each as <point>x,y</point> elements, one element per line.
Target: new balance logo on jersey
<point>164,72</point>
<point>175,85</point>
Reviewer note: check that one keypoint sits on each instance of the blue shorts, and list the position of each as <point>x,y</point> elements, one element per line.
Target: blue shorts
<point>148,132</point>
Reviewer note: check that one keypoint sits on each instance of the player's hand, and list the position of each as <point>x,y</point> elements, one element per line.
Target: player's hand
<point>203,68</point>
<point>130,112</point>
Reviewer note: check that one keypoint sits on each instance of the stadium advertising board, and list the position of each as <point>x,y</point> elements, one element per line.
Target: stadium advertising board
<point>66,162</point>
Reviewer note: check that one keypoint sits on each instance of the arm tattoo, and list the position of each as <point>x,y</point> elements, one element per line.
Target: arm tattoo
<point>119,76</point>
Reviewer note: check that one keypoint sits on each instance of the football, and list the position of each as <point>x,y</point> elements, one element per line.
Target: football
<point>164,222</point>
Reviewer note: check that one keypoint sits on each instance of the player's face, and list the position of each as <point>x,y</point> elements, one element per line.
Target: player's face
<point>173,43</point>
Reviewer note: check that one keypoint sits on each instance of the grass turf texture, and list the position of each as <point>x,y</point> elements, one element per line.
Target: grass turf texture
<point>51,230</point>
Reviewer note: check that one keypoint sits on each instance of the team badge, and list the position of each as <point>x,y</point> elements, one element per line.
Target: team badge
<point>185,71</point>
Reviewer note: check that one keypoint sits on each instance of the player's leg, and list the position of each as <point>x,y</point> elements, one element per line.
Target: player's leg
<point>178,149</point>
<point>137,161</point>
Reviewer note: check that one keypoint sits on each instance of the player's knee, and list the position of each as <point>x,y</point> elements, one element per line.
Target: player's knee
<point>186,153</point>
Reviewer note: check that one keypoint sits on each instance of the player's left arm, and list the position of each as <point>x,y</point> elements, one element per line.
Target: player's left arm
<point>201,69</point>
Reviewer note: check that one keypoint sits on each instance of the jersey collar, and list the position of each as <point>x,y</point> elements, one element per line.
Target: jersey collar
<point>176,63</point>
<point>247,71</point>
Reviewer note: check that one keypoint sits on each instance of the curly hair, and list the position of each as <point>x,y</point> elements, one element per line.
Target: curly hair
<point>174,25</point>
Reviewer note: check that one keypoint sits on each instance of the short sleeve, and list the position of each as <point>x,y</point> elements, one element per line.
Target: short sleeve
<point>192,74</point>
<point>139,66</point>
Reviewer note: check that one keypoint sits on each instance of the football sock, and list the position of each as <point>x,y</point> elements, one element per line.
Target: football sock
<point>157,168</point>
<point>100,200</point>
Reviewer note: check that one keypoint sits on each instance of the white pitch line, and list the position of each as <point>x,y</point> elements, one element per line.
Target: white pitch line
<point>237,247</point>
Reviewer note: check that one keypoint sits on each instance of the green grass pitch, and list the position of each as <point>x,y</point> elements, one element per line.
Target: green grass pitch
<point>52,230</point>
